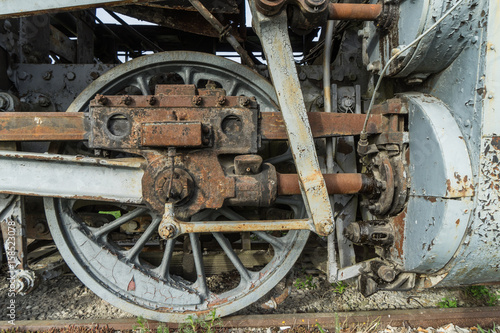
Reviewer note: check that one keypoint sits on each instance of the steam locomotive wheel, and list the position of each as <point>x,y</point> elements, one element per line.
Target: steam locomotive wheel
<point>118,269</point>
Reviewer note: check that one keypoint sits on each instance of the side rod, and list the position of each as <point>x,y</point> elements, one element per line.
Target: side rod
<point>273,33</point>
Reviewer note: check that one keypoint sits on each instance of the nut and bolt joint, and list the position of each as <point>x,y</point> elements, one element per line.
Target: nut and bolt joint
<point>244,101</point>
<point>169,231</point>
<point>386,273</point>
<point>197,100</point>
<point>127,100</point>
<point>221,100</point>
<point>102,100</point>
<point>152,100</point>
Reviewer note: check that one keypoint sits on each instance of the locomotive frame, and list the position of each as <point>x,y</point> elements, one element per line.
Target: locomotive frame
<point>386,139</point>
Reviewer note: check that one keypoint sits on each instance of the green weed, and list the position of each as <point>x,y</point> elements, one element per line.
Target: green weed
<point>305,284</point>
<point>116,213</point>
<point>143,327</point>
<point>320,328</point>
<point>196,325</point>
<point>493,330</point>
<point>448,303</point>
<point>483,294</point>
<point>339,287</point>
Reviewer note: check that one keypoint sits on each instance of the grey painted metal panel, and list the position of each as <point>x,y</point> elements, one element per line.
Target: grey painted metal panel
<point>435,228</point>
<point>469,87</point>
<point>29,7</point>
<point>440,204</point>
<point>439,159</point>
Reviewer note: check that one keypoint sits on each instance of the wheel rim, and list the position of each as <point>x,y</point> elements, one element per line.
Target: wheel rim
<point>119,274</point>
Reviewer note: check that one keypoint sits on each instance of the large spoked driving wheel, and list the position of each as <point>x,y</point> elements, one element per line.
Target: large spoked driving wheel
<point>115,249</point>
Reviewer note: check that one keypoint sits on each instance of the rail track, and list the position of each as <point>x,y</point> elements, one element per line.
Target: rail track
<point>485,317</point>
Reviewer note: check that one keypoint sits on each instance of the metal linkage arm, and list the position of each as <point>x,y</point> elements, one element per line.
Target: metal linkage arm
<point>11,8</point>
<point>273,33</point>
<point>72,177</point>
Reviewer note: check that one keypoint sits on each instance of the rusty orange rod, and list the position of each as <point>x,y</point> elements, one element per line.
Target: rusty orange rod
<point>341,183</point>
<point>351,11</point>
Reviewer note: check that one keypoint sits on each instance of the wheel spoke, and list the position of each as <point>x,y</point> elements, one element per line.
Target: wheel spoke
<point>143,85</point>
<point>231,214</point>
<point>274,241</point>
<point>188,75</point>
<point>164,268</point>
<point>141,242</point>
<point>102,232</point>
<point>226,246</point>
<point>230,91</point>
<point>201,280</point>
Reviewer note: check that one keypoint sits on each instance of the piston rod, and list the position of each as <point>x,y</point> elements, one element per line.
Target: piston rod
<point>345,183</point>
<point>351,11</point>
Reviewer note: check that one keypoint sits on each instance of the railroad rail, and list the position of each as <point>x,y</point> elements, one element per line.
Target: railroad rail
<point>485,317</point>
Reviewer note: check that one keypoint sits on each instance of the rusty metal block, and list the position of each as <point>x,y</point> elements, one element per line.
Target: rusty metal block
<point>175,89</point>
<point>187,134</point>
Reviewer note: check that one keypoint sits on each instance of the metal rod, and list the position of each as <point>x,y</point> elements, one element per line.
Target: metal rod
<point>223,32</point>
<point>351,11</point>
<point>135,32</point>
<point>337,183</point>
<point>75,126</point>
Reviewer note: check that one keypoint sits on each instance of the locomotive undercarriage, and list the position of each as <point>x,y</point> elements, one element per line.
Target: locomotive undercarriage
<point>183,151</point>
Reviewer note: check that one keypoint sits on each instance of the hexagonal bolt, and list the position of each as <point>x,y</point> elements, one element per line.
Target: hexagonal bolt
<point>221,100</point>
<point>22,75</point>
<point>25,281</point>
<point>127,100</point>
<point>196,100</point>
<point>386,273</point>
<point>70,76</point>
<point>168,231</point>
<point>152,100</point>
<point>103,100</point>
<point>244,101</point>
<point>40,228</point>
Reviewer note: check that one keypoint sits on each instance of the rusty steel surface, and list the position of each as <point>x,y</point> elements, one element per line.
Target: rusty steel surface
<point>55,126</point>
<point>240,226</point>
<point>322,124</point>
<point>188,134</point>
<point>228,124</point>
<point>42,126</point>
<point>486,317</point>
<point>352,11</point>
<point>205,169</point>
<point>344,183</point>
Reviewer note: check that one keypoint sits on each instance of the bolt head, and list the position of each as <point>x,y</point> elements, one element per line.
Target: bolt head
<point>197,100</point>
<point>47,76</point>
<point>152,100</point>
<point>169,231</point>
<point>103,100</point>
<point>127,100</point>
<point>221,100</point>
<point>71,76</point>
